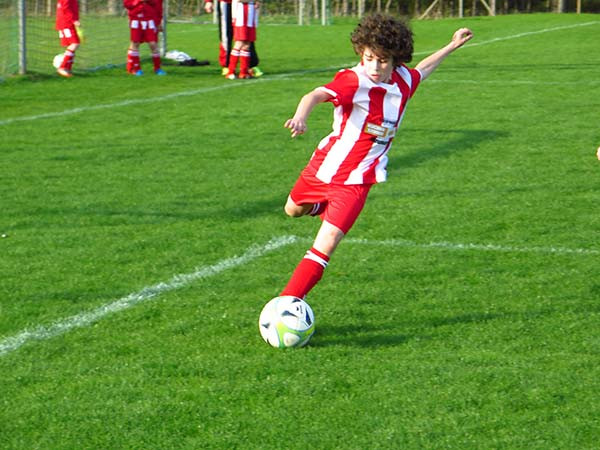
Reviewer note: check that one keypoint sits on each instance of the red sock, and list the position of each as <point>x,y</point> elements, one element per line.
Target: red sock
<point>156,61</point>
<point>233,60</point>
<point>223,54</point>
<point>133,61</point>
<point>244,63</point>
<point>307,274</point>
<point>67,61</point>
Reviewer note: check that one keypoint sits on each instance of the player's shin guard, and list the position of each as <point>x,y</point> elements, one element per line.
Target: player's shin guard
<point>307,274</point>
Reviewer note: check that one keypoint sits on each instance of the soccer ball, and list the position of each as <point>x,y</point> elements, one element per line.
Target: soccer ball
<point>286,322</point>
<point>57,61</point>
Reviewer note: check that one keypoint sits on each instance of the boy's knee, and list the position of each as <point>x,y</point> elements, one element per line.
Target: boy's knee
<point>293,210</point>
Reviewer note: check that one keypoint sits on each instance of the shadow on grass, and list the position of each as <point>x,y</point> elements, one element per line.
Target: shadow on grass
<point>390,334</point>
<point>441,143</point>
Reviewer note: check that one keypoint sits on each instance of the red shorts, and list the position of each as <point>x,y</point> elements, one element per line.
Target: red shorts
<point>245,20</point>
<point>343,202</point>
<point>68,36</point>
<point>143,30</point>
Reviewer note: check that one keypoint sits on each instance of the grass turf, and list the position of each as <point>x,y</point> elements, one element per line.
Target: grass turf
<point>462,311</point>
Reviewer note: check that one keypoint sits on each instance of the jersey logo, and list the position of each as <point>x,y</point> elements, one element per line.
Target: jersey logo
<point>379,130</point>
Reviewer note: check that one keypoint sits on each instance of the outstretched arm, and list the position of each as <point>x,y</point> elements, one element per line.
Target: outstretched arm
<point>297,124</point>
<point>429,64</point>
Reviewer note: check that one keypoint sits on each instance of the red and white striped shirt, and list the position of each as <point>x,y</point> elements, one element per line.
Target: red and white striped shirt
<point>365,120</point>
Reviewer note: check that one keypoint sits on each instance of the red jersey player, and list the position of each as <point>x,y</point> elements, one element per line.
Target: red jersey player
<point>67,23</point>
<point>225,22</point>
<point>245,20</point>
<point>145,21</point>
<point>370,101</point>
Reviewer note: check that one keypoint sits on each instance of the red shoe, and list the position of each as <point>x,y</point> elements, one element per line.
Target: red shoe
<point>64,72</point>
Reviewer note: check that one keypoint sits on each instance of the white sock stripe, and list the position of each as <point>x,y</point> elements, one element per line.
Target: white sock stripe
<point>314,209</point>
<point>316,258</point>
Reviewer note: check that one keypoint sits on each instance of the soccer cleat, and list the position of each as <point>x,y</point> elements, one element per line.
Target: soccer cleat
<point>245,76</point>
<point>256,72</point>
<point>230,76</point>
<point>160,72</point>
<point>64,72</point>
<point>225,71</point>
<point>138,73</point>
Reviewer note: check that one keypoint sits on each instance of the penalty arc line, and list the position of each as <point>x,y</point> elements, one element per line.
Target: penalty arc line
<point>84,319</point>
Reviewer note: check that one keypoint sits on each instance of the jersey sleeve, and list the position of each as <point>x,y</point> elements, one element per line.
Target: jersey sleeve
<point>416,78</point>
<point>342,87</point>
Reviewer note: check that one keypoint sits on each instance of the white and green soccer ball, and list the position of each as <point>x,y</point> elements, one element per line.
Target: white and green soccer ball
<point>57,61</point>
<point>286,322</point>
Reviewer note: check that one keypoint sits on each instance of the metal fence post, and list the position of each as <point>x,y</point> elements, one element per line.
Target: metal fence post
<point>22,38</point>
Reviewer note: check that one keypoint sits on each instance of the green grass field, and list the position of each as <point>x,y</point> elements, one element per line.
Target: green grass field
<point>144,232</point>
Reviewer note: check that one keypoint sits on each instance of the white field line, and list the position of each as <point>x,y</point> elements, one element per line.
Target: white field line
<point>531,33</point>
<point>84,319</point>
<point>160,98</point>
<point>136,101</point>
<point>480,247</point>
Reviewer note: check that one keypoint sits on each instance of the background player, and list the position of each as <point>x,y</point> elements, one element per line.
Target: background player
<point>145,16</point>
<point>370,101</point>
<point>67,24</point>
<point>225,20</point>
<point>245,20</point>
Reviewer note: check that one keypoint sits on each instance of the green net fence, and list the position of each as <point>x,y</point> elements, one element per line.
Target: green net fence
<point>29,41</point>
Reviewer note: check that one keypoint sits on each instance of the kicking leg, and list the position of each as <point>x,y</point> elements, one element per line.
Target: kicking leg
<point>310,269</point>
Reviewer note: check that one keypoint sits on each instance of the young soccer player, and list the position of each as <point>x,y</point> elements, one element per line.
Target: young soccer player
<point>225,22</point>
<point>370,101</point>
<point>145,18</point>
<point>245,20</point>
<point>67,24</point>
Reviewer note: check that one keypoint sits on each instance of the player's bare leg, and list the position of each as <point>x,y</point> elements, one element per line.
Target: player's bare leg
<point>328,238</point>
<point>294,210</point>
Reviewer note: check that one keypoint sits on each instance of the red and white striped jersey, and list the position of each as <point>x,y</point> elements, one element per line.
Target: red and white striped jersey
<point>67,12</point>
<point>365,120</point>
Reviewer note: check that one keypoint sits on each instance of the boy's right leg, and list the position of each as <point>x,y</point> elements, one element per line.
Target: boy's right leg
<point>310,269</point>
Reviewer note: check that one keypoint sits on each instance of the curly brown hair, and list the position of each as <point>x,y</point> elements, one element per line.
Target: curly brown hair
<point>386,36</point>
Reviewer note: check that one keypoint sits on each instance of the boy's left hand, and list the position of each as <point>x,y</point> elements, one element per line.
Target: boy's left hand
<point>461,36</point>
